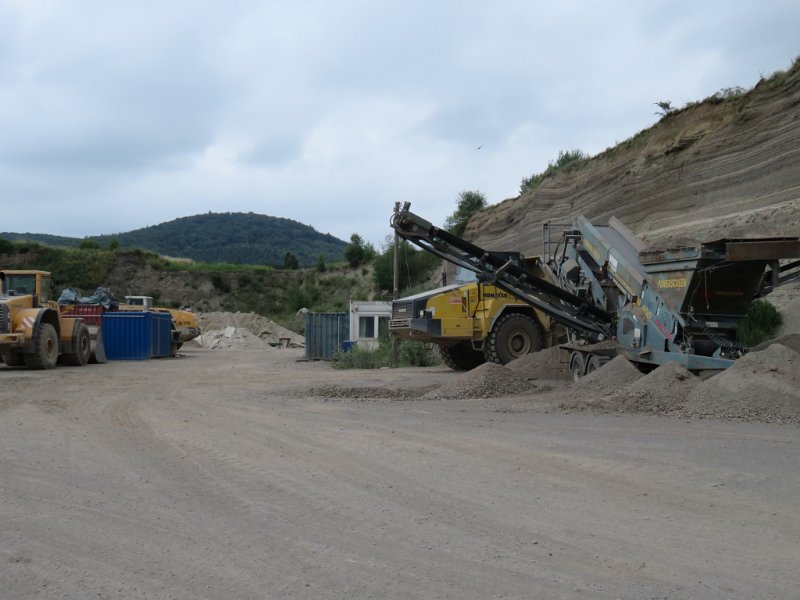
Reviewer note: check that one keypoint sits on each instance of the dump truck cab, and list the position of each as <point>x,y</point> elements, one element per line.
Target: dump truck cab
<point>472,320</point>
<point>185,326</point>
<point>32,331</point>
<point>141,302</point>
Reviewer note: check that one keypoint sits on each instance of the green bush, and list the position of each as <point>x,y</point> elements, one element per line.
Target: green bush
<point>361,358</point>
<point>6,246</point>
<point>290,262</point>
<point>760,324</point>
<point>568,160</point>
<point>358,252</point>
<point>468,204</point>
<point>417,354</point>
<point>409,354</point>
<point>87,244</point>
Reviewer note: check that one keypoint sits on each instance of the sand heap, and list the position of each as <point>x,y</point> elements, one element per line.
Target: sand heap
<point>761,386</point>
<point>244,331</point>
<point>489,380</point>
<point>545,364</point>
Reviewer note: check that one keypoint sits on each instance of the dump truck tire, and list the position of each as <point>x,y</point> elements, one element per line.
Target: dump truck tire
<point>45,348</point>
<point>577,366</point>
<point>594,363</point>
<point>461,357</point>
<point>513,335</point>
<point>13,359</point>
<point>83,346</point>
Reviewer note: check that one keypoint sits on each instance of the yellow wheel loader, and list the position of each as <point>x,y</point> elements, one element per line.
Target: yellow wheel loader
<point>32,331</point>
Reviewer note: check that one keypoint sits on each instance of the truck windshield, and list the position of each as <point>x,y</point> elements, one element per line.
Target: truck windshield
<point>464,275</point>
<point>20,285</point>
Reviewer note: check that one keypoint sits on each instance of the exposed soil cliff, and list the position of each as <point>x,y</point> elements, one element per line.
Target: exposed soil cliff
<point>719,168</point>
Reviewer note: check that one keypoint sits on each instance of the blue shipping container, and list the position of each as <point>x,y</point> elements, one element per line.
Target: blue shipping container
<point>325,333</point>
<point>137,335</point>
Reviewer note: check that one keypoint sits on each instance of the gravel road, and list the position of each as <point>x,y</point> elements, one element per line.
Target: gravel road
<point>221,476</point>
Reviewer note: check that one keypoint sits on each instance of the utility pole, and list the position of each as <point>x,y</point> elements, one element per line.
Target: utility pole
<point>396,291</point>
<point>396,285</point>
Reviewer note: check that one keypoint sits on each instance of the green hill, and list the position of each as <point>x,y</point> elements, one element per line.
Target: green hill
<point>246,238</point>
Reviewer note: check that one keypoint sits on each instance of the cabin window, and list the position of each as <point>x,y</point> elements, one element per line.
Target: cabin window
<point>366,327</point>
<point>627,326</point>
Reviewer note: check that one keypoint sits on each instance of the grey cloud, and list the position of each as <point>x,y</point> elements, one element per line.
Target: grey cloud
<point>329,112</point>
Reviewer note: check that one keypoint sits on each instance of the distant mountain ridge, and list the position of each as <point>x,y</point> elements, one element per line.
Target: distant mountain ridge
<point>246,238</point>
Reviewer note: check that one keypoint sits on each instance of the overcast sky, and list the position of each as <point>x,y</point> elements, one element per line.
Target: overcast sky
<point>116,115</point>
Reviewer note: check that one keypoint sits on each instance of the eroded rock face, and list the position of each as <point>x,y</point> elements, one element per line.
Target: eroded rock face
<point>717,169</point>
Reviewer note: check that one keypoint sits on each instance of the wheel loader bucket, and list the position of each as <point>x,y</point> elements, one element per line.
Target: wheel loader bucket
<point>98,355</point>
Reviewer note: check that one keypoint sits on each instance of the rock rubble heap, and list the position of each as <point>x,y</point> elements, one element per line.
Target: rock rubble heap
<point>244,331</point>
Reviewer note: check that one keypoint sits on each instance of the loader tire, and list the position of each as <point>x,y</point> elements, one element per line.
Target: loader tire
<point>13,359</point>
<point>45,348</point>
<point>83,349</point>
<point>513,335</point>
<point>461,357</point>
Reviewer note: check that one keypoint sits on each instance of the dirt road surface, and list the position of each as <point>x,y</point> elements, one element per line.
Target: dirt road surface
<point>221,476</point>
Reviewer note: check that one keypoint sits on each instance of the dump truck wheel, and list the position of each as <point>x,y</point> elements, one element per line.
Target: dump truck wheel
<point>514,335</point>
<point>13,359</point>
<point>594,363</point>
<point>461,357</point>
<point>83,346</point>
<point>577,366</point>
<point>45,348</point>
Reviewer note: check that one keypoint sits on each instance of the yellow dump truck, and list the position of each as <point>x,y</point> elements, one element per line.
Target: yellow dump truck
<point>473,321</point>
<point>33,333</point>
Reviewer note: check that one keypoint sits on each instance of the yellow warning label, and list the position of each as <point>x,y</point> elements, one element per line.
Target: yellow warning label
<point>676,282</point>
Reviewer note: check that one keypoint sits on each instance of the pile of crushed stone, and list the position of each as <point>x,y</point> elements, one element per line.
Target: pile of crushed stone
<point>790,340</point>
<point>663,391</point>
<point>338,392</point>
<point>244,331</point>
<point>545,364</point>
<point>791,318</point>
<point>489,380</point>
<point>762,386</point>
<point>611,376</point>
<point>231,338</point>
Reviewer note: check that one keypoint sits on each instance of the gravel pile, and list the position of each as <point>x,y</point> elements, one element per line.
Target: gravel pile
<point>231,338</point>
<point>761,386</point>
<point>337,392</point>
<point>243,331</point>
<point>489,380</point>
<point>545,364</point>
<point>791,318</point>
<point>662,391</point>
<point>610,377</point>
<point>791,340</point>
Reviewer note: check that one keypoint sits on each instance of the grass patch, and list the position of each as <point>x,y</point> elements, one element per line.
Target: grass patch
<point>760,324</point>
